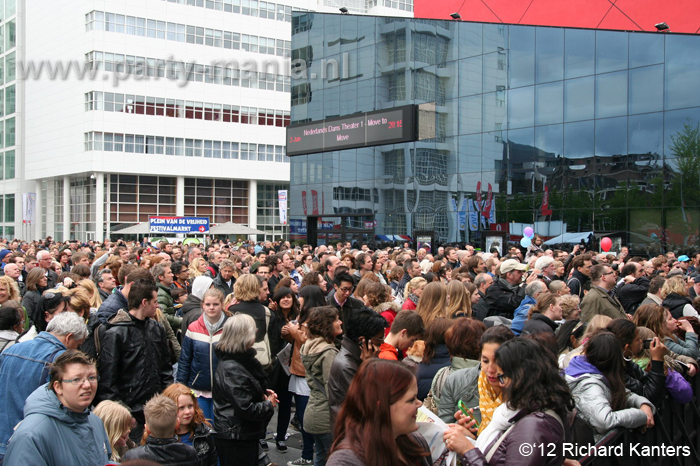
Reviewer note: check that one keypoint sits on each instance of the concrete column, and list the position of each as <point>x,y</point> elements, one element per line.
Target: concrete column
<point>180,197</point>
<point>36,231</point>
<point>66,208</point>
<point>253,206</point>
<point>99,206</point>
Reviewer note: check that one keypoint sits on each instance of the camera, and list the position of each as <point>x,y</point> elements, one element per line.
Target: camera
<point>647,343</point>
<point>540,276</point>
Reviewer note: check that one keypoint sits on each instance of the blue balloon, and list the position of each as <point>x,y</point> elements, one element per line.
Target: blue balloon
<point>525,241</point>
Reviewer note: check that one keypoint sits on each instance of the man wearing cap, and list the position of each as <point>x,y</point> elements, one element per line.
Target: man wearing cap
<point>4,259</point>
<point>684,263</point>
<point>505,295</point>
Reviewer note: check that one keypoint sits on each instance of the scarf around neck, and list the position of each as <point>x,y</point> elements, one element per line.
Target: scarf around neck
<point>489,400</point>
<point>216,326</point>
<point>499,423</point>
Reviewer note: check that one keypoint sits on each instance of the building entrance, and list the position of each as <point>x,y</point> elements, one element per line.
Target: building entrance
<point>355,229</point>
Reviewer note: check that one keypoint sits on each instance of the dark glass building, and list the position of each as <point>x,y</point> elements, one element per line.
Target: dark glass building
<point>569,130</point>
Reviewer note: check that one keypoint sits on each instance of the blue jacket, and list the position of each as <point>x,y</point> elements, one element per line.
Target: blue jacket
<point>52,435</point>
<point>197,364</point>
<point>111,306</point>
<point>23,368</point>
<point>520,314</point>
<point>426,372</point>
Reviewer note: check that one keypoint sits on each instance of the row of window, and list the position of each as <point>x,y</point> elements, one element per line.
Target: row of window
<point>7,209</point>
<point>405,5</point>
<point>7,165</point>
<point>8,36</point>
<point>140,144</point>
<point>112,22</point>
<point>158,68</point>
<point>158,106</point>
<point>267,10</point>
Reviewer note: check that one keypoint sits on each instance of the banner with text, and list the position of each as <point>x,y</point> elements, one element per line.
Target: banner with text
<point>182,225</point>
<point>28,207</point>
<point>282,198</point>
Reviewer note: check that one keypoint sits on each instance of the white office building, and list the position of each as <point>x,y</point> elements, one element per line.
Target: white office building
<point>115,111</point>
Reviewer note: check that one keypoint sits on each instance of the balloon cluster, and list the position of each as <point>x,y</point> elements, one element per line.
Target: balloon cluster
<point>527,239</point>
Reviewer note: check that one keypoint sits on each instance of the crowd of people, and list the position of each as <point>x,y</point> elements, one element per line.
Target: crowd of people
<point>181,355</point>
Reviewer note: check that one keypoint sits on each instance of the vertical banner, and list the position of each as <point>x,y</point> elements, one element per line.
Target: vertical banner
<point>282,198</point>
<point>303,202</point>
<point>314,201</point>
<point>545,202</point>
<point>28,207</point>
<point>473,215</point>
<point>487,205</point>
<point>455,209</point>
<point>463,214</point>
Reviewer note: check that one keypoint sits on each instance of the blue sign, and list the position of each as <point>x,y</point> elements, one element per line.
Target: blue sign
<point>183,225</point>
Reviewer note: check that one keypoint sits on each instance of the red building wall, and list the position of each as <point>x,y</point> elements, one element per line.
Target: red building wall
<point>628,15</point>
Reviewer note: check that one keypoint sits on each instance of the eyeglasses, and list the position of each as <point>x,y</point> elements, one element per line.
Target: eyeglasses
<point>80,380</point>
<point>608,273</point>
<point>501,379</point>
<point>345,290</point>
<point>375,339</point>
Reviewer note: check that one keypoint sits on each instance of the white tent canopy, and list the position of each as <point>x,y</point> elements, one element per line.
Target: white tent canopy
<point>570,238</point>
<point>230,228</point>
<point>137,229</point>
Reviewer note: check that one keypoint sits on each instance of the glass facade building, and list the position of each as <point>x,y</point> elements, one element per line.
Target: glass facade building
<point>577,130</point>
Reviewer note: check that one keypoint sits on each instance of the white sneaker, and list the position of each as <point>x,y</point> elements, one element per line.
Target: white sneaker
<point>300,462</point>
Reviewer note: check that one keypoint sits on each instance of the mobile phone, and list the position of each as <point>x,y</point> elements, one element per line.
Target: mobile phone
<point>647,343</point>
<point>465,411</point>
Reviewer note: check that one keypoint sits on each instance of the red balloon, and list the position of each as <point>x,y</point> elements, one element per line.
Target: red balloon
<point>605,244</point>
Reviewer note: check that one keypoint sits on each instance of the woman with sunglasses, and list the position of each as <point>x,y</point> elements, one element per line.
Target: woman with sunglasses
<point>536,401</point>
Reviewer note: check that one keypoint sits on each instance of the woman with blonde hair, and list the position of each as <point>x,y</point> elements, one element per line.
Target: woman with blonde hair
<point>117,420</point>
<point>459,301</point>
<point>9,291</point>
<point>433,302</point>
<point>414,290</point>
<point>93,293</point>
<point>598,322</point>
<point>676,300</point>
<point>432,305</point>
<point>197,267</point>
<point>79,302</point>
<point>570,306</point>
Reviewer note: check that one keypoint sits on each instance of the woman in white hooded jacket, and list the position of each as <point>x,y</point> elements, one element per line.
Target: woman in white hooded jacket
<point>596,382</point>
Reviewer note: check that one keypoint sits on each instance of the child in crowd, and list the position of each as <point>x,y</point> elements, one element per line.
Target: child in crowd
<point>161,445</point>
<point>194,430</point>
<point>179,296</point>
<point>117,420</point>
<point>405,330</point>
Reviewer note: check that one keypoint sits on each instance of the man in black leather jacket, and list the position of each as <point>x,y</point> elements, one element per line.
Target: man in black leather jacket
<point>133,357</point>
